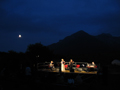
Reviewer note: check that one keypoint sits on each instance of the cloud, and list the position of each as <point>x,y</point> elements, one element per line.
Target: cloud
<point>63,15</point>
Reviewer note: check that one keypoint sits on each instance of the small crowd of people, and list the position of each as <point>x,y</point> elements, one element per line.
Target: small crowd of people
<point>92,65</point>
<point>63,65</point>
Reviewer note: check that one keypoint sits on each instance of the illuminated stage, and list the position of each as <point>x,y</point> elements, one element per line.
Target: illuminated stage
<point>68,71</point>
<point>79,68</point>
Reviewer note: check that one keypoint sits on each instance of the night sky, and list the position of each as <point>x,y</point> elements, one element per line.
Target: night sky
<point>48,21</point>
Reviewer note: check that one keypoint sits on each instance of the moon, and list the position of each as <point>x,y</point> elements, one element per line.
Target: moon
<point>19,36</point>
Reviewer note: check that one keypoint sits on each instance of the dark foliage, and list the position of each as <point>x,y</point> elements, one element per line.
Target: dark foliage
<point>39,52</point>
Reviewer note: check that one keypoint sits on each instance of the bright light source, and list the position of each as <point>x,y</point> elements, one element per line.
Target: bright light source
<point>19,36</point>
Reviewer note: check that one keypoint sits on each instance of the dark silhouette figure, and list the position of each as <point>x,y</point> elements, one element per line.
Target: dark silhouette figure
<point>71,65</point>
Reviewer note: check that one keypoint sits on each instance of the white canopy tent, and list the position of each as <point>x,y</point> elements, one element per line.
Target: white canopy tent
<point>115,62</point>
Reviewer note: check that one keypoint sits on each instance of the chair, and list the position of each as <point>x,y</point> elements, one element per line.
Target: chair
<point>66,66</point>
<point>96,66</point>
<point>77,66</point>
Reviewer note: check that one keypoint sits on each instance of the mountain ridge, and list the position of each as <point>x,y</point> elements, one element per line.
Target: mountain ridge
<point>81,43</point>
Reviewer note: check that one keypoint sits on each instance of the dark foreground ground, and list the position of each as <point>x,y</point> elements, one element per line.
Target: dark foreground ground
<point>109,79</point>
<point>47,81</point>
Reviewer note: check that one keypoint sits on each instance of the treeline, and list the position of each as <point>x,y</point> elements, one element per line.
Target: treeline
<point>39,53</point>
<point>35,53</point>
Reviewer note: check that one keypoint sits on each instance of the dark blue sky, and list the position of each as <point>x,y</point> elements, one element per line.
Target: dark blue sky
<point>48,21</point>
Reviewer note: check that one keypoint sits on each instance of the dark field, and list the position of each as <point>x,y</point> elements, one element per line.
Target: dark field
<point>42,82</point>
<point>47,80</point>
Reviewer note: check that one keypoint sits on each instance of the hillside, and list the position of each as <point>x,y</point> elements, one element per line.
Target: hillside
<point>85,46</point>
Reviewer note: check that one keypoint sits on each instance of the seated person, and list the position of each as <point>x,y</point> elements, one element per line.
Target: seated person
<point>93,64</point>
<point>51,65</point>
<point>88,65</point>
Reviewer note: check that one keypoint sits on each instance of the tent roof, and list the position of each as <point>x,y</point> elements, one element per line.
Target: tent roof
<point>117,62</point>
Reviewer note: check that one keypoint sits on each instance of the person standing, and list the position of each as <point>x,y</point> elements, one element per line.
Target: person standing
<point>62,65</point>
<point>71,65</point>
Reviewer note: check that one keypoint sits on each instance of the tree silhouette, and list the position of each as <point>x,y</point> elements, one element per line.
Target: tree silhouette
<point>39,52</point>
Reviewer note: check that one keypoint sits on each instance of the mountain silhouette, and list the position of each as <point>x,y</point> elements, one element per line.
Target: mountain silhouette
<point>111,41</point>
<point>82,44</point>
<point>79,42</point>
